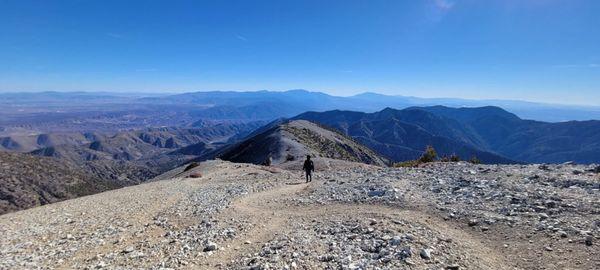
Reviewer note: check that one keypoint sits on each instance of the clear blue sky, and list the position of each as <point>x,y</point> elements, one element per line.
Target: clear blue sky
<point>540,50</point>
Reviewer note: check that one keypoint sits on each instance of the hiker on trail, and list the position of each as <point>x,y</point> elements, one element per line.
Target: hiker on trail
<point>268,161</point>
<point>308,168</point>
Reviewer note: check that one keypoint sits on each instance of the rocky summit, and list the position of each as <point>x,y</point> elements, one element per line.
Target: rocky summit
<point>453,215</point>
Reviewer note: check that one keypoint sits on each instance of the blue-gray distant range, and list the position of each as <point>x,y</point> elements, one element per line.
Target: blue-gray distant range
<point>296,101</point>
<point>273,104</point>
<point>398,128</point>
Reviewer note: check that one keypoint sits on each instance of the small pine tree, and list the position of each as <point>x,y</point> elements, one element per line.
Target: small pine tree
<point>454,158</point>
<point>475,160</point>
<point>429,156</point>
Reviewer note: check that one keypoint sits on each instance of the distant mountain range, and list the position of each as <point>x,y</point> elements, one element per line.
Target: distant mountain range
<point>35,122</point>
<point>266,105</point>
<point>489,133</point>
<point>293,102</point>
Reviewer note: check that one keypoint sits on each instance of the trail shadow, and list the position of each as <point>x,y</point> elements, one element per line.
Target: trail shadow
<point>294,184</point>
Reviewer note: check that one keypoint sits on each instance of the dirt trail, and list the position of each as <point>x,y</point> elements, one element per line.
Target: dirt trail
<point>272,215</point>
<point>351,217</point>
<point>259,209</point>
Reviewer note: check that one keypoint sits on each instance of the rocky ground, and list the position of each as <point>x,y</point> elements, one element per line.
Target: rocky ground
<point>223,215</point>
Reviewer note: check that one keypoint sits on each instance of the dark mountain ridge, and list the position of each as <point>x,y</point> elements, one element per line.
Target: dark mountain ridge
<point>489,133</point>
<point>528,140</point>
<point>290,141</point>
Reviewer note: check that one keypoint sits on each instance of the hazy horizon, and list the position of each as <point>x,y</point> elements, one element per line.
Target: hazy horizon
<point>166,93</point>
<point>538,51</point>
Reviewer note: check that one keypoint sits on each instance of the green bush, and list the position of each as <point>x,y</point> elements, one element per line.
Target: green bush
<point>451,158</point>
<point>408,163</point>
<point>429,156</point>
<point>475,160</point>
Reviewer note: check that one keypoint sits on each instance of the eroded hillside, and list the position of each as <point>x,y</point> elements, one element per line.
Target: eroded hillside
<point>291,141</point>
<point>29,181</point>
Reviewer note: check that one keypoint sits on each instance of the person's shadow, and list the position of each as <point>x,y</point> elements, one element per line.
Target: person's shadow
<point>293,184</point>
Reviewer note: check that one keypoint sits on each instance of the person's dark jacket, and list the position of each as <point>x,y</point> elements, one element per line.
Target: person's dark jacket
<point>309,166</point>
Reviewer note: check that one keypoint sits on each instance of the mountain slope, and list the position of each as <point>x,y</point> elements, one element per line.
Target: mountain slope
<point>293,140</point>
<point>27,142</point>
<point>27,181</point>
<point>490,133</point>
<point>404,134</point>
<point>531,141</point>
<point>135,156</point>
<point>75,164</point>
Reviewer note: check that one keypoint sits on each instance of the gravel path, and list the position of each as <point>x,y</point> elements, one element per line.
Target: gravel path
<point>240,216</point>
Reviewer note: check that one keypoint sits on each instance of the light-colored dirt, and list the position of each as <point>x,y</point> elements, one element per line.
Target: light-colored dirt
<point>351,216</point>
<point>270,208</point>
